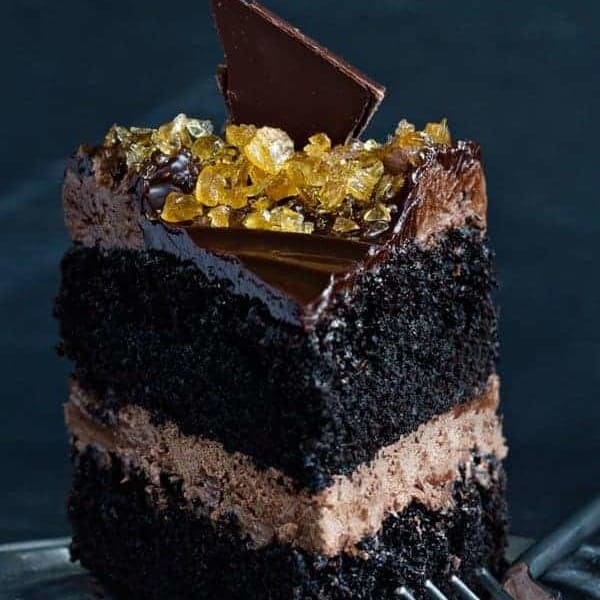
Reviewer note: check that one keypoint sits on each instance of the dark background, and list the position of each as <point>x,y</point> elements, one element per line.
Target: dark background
<point>519,77</point>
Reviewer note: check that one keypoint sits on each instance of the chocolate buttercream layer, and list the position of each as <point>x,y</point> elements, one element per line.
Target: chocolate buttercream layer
<point>104,205</point>
<point>115,510</point>
<point>415,337</point>
<point>420,467</point>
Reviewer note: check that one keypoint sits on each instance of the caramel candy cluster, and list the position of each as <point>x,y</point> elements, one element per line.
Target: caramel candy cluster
<point>255,178</point>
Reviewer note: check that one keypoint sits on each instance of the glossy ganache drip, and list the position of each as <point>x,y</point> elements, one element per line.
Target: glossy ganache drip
<point>163,174</point>
<point>297,264</point>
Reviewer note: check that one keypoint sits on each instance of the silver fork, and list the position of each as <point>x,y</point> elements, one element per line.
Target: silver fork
<point>562,541</point>
<point>485,578</point>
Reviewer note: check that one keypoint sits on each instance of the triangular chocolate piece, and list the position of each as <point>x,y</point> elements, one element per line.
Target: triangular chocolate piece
<point>277,76</point>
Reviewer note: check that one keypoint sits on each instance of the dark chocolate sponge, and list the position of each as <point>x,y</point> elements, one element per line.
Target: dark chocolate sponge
<point>143,552</point>
<point>415,337</point>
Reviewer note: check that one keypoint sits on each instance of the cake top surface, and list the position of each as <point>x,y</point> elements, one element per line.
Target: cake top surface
<point>254,178</point>
<point>117,194</point>
<point>287,203</point>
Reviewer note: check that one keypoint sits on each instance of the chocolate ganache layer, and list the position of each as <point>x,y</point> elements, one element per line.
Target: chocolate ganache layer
<point>294,275</point>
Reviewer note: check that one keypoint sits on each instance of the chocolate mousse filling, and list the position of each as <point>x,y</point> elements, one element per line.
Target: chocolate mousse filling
<point>420,467</point>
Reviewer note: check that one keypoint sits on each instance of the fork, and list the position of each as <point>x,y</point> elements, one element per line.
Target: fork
<point>533,563</point>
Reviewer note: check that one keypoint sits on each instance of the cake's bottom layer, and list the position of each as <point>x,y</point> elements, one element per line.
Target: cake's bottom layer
<point>156,548</point>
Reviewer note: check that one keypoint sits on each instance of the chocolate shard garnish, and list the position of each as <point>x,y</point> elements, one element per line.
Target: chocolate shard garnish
<point>277,76</point>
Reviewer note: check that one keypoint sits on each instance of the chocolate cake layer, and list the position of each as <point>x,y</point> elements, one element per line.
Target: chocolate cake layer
<point>416,336</point>
<point>150,545</point>
<point>422,466</point>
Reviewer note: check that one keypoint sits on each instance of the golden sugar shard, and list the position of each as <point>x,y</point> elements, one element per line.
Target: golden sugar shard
<point>171,137</point>
<point>280,187</point>
<point>380,212</point>
<point>259,178</point>
<point>310,196</point>
<point>286,219</point>
<point>198,128</point>
<point>388,187</point>
<point>306,171</point>
<point>332,194</point>
<point>142,138</point>
<point>137,153</point>
<point>238,197</point>
<point>262,203</point>
<point>219,216</point>
<point>344,225</point>
<point>407,137</point>
<point>239,135</point>
<point>163,141</point>
<point>208,148</point>
<point>218,185</point>
<point>269,149</point>
<point>117,135</point>
<point>179,126</point>
<point>371,145</point>
<point>438,133</point>
<point>258,220</point>
<point>180,208</point>
<point>308,227</point>
<point>211,187</point>
<point>363,179</point>
<point>237,175</point>
<point>318,145</point>
<point>141,134</point>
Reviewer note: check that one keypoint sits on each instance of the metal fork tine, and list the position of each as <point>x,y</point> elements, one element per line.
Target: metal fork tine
<point>404,592</point>
<point>464,591</point>
<point>434,591</point>
<point>489,582</point>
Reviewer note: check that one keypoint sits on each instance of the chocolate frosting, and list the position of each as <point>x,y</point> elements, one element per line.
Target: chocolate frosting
<point>275,75</point>
<point>293,274</point>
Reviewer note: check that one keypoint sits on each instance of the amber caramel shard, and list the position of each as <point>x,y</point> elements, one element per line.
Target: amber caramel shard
<point>269,149</point>
<point>253,178</point>
<point>180,208</point>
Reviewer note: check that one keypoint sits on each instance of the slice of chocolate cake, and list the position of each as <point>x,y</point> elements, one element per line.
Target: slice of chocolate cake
<point>284,343</point>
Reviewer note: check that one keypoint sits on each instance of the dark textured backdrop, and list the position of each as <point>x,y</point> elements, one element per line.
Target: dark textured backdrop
<point>519,77</point>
